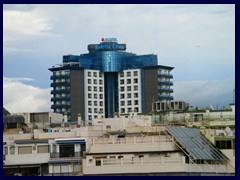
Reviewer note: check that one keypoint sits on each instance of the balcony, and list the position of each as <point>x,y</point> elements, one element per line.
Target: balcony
<point>55,106</point>
<point>66,91</point>
<point>168,83</point>
<point>60,76</point>
<point>132,144</point>
<point>147,166</point>
<point>60,99</point>
<point>56,156</point>
<point>166,90</point>
<point>165,97</point>
<point>60,84</point>
<point>165,75</point>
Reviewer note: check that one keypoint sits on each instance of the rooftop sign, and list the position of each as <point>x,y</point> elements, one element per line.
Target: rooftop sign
<point>110,47</point>
<point>109,39</point>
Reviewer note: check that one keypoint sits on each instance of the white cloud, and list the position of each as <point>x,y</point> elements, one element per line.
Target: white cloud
<point>202,93</point>
<point>19,97</point>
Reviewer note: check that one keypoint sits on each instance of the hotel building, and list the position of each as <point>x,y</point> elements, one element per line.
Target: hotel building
<point>108,81</point>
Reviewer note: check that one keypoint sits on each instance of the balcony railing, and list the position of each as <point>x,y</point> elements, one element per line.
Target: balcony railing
<point>60,76</point>
<point>54,106</point>
<point>60,99</point>
<point>166,90</point>
<point>60,91</point>
<point>55,84</point>
<point>161,97</point>
<point>131,140</point>
<point>165,75</point>
<point>56,156</point>
<point>169,83</point>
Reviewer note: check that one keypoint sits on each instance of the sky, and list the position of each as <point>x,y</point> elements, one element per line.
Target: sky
<point>198,40</point>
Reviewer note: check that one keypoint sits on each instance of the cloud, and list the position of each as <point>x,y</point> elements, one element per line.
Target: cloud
<point>19,97</point>
<point>202,93</point>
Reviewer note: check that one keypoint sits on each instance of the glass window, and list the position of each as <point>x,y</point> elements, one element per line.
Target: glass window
<point>122,110</point>
<point>122,103</point>
<point>90,117</point>
<point>135,95</point>
<point>121,88</point>
<point>135,73</point>
<point>128,74</point>
<point>135,81</point>
<point>89,103</point>
<point>43,149</point>
<point>129,103</point>
<point>101,103</point>
<point>89,95</point>
<point>95,89</point>
<point>12,150</point>
<point>136,109</point>
<point>89,81</point>
<point>100,74</point>
<point>122,96</point>
<point>100,81</point>
<point>101,89</point>
<point>95,110</point>
<point>94,81</point>
<point>129,88</point>
<point>100,96</point>
<point>121,81</point>
<point>135,102</point>
<point>95,96</point>
<point>89,74</point>
<point>5,151</point>
<point>129,109</point>
<point>129,81</point>
<point>95,103</point>
<point>89,88</point>
<point>129,95</point>
<point>89,110</point>
<point>121,74</point>
<point>94,74</point>
<point>135,88</point>
<point>25,150</point>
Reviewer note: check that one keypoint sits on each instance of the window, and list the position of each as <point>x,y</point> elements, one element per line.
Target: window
<point>100,96</point>
<point>89,81</point>
<point>135,81</point>
<point>129,88</point>
<point>100,81</point>
<point>129,103</point>
<point>90,117</point>
<point>135,95</point>
<point>129,95</point>
<point>136,110</point>
<point>95,110</point>
<point>89,95</point>
<point>122,110</point>
<point>135,73</point>
<point>135,88</point>
<point>95,89</point>
<point>25,150</point>
<point>95,96</point>
<point>94,74</point>
<point>121,89</point>
<point>100,74</point>
<point>89,74</point>
<point>101,103</point>
<point>128,74</point>
<point>95,103</point>
<point>129,109</point>
<point>121,74</point>
<point>95,117</point>
<point>121,81</point>
<point>101,89</point>
<point>122,103</point>
<point>5,151</point>
<point>89,103</point>
<point>94,81</point>
<point>122,96</point>
<point>98,162</point>
<point>12,150</point>
<point>43,149</point>
<point>224,144</point>
<point>89,110</point>
<point>129,81</point>
<point>136,102</point>
<point>89,88</point>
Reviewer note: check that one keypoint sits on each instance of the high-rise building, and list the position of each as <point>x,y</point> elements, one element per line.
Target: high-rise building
<point>108,81</point>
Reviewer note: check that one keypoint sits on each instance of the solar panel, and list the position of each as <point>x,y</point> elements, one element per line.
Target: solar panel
<point>195,143</point>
